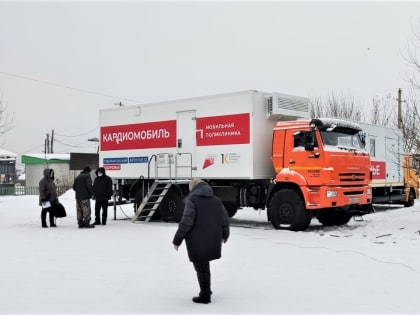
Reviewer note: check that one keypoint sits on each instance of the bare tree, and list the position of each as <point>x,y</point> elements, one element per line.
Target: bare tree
<point>412,55</point>
<point>410,124</point>
<point>410,110</point>
<point>335,106</point>
<point>383,111</point>
<point>6,120</point>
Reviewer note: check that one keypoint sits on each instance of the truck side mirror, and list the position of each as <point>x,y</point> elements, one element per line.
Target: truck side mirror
<point>309,141</point>
<point>362,136</point>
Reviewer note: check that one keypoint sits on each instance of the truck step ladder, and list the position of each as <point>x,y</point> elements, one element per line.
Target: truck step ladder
<point>151,201</point>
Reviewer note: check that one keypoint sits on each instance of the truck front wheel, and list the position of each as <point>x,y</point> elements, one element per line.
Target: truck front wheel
<point>286,210</point>
<point>329,218</point>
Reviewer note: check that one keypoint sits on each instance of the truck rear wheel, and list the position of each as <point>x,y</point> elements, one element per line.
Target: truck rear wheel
<point>231,208</point>
<point>286,210</point>
<point>329,218</point>
<point>172,206</point>
<point>411,199</point>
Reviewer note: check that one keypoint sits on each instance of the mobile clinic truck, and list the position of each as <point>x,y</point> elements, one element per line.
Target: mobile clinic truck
<point>394,174</point>
<point>251,149</point>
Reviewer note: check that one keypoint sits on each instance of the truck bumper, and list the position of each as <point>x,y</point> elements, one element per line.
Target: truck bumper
<point>338,196</point>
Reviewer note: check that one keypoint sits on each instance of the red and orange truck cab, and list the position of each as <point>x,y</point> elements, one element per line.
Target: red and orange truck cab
<point>324,160</point>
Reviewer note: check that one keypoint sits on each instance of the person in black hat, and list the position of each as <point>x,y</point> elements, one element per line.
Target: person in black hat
<point>102,191</point>
<point>84,192</point>
<point>47,197</point>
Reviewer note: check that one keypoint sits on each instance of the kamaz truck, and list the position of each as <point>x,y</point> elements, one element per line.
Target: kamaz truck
<point>255,149</point>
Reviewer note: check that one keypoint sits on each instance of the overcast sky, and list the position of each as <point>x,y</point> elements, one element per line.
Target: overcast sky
<point>62,62</point>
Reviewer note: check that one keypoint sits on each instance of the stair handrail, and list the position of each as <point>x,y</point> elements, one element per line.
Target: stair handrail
<point>183,166</point>
<point>153,156</point>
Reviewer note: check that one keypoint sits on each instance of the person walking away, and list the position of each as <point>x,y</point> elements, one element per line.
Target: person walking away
<point>83,187</point>
<point>204,226</point>
<point>102,192</point>
<point>47,197</point>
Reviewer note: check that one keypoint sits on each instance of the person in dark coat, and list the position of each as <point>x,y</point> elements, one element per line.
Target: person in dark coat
<point>204,226</point>
<point>48,197</point>
<point>102,192</point>
<point>83,187</point>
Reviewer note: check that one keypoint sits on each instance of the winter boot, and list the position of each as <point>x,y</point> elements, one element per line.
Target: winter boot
<point>104,221</point>
<point>203,299</point>
<point>52,220</point>
<point>97,222</point>
<point>44,218</point>
<point>87,225</point>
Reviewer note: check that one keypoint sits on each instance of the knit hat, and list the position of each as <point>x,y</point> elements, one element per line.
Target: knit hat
<point>194,182</point>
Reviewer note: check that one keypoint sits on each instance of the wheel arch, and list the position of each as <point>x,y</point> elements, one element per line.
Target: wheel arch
<point>283,185</point>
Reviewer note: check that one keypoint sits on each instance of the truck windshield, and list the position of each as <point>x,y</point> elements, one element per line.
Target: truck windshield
<point>340,140</point>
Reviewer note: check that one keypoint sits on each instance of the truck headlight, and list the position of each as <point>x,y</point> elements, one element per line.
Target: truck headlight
<point>331,193</point>
<point>369,191</point>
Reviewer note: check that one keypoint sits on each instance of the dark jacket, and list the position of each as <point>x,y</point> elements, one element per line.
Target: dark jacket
<point>83,186</point>
<point>102,186</point>
<point>204,225</point>
<point>47,187</point>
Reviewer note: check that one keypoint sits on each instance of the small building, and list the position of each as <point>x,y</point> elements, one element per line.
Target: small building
<point>36,163</point>
<point>7,167</point>
<point>7,172</point>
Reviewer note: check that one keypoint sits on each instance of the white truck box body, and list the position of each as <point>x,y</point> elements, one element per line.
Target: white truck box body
<point>227,136</point>
<point>385,146</point>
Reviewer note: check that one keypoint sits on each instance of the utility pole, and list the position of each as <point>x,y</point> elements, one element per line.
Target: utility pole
<point>47,143</point>
<point>399,118</point>
<point>52,141</point>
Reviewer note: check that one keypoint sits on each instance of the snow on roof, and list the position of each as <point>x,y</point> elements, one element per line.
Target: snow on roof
<point>7,155</point>
<point>340,123</point>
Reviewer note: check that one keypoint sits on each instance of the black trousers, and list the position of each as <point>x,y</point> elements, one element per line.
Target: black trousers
<point>203,277</point>
<point>101,204</point>
<point>44,216</point>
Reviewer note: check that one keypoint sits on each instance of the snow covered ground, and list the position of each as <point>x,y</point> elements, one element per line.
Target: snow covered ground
<point>371,265</point>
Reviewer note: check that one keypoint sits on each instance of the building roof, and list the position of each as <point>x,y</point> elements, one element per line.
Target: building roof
<point>7,155</point>
<point>40,158</point>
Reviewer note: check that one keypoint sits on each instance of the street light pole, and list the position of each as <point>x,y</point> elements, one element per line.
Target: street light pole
<point>95,139</point>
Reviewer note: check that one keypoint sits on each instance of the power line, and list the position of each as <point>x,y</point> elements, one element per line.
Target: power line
<point>74,136</point>
<point>37,147</point>
<point>66,86</point>
<point>77,145</point>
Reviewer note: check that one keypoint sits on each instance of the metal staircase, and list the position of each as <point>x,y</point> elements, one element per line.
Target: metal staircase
<point>160,187</point>
<point>151,201</point>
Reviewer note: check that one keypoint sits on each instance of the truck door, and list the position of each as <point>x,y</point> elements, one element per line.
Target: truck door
<point>306,163</point>
<point>393,159</point>
<point>185,159</point>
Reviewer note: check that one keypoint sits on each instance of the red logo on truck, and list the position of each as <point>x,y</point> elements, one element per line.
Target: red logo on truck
<point>378,169</point>
<point>112,167</point>
<point>160,134</point>
<point>220,130</point>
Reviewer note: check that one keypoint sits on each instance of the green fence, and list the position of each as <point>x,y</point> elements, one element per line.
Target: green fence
<point>10,190</point>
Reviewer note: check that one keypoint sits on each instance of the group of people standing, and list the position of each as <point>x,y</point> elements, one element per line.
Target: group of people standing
<point>204,225</point>
<point>100,190</point>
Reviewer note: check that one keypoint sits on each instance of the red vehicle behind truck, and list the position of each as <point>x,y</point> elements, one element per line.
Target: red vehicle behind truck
<point>255,149</point>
